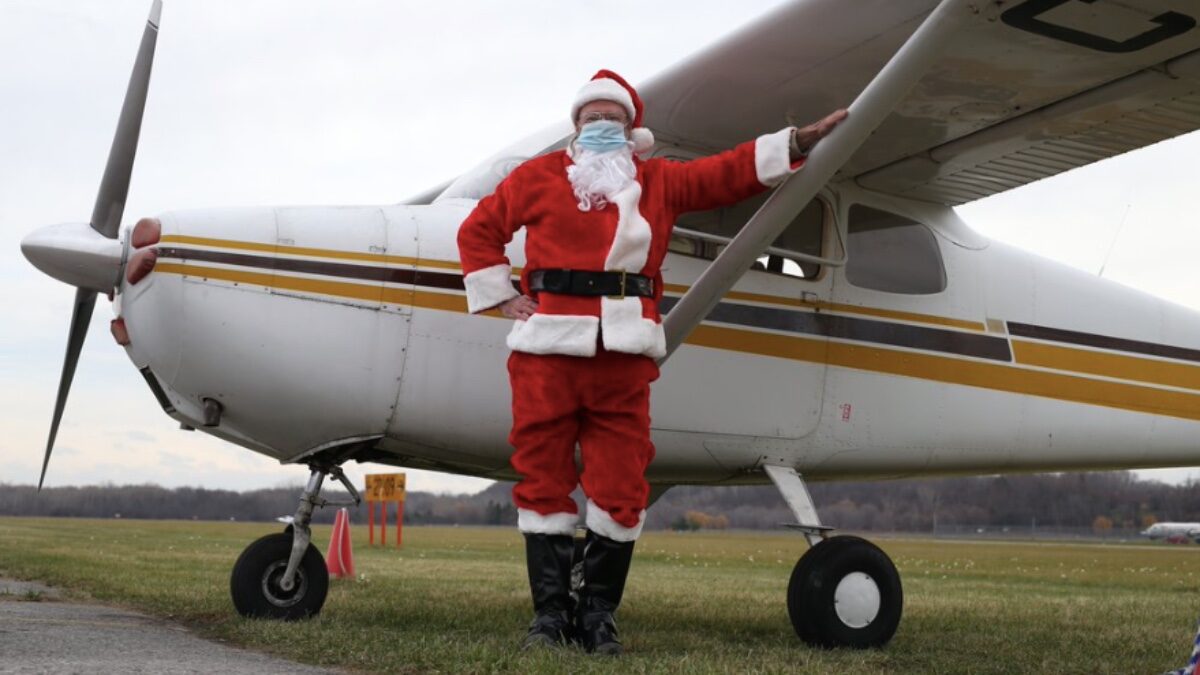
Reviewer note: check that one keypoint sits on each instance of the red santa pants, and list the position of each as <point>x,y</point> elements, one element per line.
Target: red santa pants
<point>603,404</point>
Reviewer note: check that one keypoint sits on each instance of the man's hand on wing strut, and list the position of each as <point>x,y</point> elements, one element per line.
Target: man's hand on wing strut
<point>520,308</point>
<point>804,138</point>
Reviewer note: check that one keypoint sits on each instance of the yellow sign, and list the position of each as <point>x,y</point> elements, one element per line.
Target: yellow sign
<point>385,487</point>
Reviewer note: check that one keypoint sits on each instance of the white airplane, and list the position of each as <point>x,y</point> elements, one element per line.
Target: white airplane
<point>1174,532</point>
<point>850,325</point>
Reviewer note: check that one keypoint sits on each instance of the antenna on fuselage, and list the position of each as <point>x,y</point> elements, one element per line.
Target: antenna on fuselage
<point>1113,244</point>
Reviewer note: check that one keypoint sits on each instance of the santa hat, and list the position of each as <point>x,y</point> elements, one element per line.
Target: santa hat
<point>609,86</point>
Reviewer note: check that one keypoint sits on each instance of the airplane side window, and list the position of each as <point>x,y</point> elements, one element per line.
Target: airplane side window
<point>892,253</point>
<point>686,246</point>
<point>803,235</point>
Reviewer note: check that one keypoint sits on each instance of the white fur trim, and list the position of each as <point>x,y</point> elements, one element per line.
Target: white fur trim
<point>489,287</point>
<point>532,522</point>
<point>643,140</point>
<point>601,523</point>
<point>772,160</point>
<point>603,89</point>
<point>631,242</point>
<point>624,329</point>
<point>555,334</point>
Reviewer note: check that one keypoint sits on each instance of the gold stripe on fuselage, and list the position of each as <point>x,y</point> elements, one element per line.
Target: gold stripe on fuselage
<point>679,289</point>
<point>842,308</point>
<point>954,370</point>
<point>304,251</point>
<point>1107,364</point>
<point>934,367</point>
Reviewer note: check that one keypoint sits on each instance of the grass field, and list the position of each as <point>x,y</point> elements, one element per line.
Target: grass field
<point>455,600</point>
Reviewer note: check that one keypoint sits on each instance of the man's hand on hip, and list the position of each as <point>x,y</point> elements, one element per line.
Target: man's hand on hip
<point>520,308</point>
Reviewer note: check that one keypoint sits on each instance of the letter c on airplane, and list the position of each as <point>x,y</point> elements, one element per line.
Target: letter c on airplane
<point>1025,17</point>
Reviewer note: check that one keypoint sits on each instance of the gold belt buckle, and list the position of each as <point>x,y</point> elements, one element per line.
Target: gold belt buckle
<point>622,295</point>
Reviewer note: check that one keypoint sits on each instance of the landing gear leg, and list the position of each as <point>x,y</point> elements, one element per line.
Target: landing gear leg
<point>845,591</point>
<point>283,576</point>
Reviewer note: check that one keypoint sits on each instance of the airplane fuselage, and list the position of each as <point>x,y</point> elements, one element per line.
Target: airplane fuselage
<point>320,327</point>
<point>1173,532</point>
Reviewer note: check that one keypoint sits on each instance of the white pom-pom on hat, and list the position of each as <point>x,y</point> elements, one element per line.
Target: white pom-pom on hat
<point>643,140</point>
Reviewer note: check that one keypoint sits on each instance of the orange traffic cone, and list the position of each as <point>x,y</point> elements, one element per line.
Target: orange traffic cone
<point>340,559</point>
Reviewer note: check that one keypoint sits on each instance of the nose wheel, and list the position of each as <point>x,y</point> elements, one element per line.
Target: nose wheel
<point>257,575</point>
<point>283,576</point>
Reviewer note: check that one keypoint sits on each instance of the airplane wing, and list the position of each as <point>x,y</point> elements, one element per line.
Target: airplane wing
<point>1026,89</point>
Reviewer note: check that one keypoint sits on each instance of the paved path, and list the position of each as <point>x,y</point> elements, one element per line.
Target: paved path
<point>39,633</point>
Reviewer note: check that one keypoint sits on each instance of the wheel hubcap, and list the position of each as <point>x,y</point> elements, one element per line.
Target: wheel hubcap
<point>272,590</point>
<point>856,599</point>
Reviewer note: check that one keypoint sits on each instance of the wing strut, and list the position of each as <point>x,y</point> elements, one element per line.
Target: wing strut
<point>867,112</point>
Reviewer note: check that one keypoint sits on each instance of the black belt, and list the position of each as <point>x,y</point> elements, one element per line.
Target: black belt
<point>580,282</point>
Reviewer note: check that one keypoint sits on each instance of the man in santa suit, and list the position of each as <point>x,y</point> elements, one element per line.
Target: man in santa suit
<point>598,219</point>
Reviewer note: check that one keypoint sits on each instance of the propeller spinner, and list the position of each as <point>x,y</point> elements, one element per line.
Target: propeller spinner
<point>88,256</point>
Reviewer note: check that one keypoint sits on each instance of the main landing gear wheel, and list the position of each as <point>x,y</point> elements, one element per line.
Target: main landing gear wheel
<point>256,575</point>
<point>845,592</point>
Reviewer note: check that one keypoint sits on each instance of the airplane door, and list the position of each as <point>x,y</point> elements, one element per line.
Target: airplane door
<point>756,366</point>
<point>906,319</point>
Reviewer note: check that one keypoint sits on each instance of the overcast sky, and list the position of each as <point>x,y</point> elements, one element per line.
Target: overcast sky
<point>301,102</point>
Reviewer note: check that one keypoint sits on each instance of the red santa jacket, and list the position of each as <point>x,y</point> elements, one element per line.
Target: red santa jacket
<point>629,234</point>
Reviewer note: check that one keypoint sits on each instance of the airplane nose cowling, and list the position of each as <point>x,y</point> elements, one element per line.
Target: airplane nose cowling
<point>75,254</point>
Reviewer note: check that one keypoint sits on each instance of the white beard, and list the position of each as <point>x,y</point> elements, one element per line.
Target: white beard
<point>597,176</point>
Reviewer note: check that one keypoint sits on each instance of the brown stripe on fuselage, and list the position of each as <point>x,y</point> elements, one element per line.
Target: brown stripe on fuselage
<point>935,367</point>
<point>982,374</point>
<point>754,316</point>
<point>391,275</point>
<point>679,289</point>
<point>282,249</point>
<point>915,317</point>
<point>1102,341</point>
<point>925,338</point>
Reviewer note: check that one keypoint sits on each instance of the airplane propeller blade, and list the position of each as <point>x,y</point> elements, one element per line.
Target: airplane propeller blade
<point>114,187</point>
<point>85,302</point>
<point>106,219</point>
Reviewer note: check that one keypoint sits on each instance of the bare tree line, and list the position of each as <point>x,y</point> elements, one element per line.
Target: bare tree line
<point>1068,501</point>
<point>1076,500</point>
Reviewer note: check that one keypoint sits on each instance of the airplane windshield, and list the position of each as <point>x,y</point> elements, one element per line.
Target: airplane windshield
<point>482,180</point>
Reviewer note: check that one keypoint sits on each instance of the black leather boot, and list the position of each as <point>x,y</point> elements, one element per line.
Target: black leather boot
<point>548,558</point>
<point>605,567</point>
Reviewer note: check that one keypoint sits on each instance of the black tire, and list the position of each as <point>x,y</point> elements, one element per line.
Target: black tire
<point>813,591</point>
<point>254,583</point>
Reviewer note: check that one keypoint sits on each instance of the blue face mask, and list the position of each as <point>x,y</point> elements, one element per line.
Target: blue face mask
<point>602,136</point>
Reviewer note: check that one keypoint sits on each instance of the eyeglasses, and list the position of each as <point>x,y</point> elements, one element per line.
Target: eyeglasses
<point>602,116</point>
